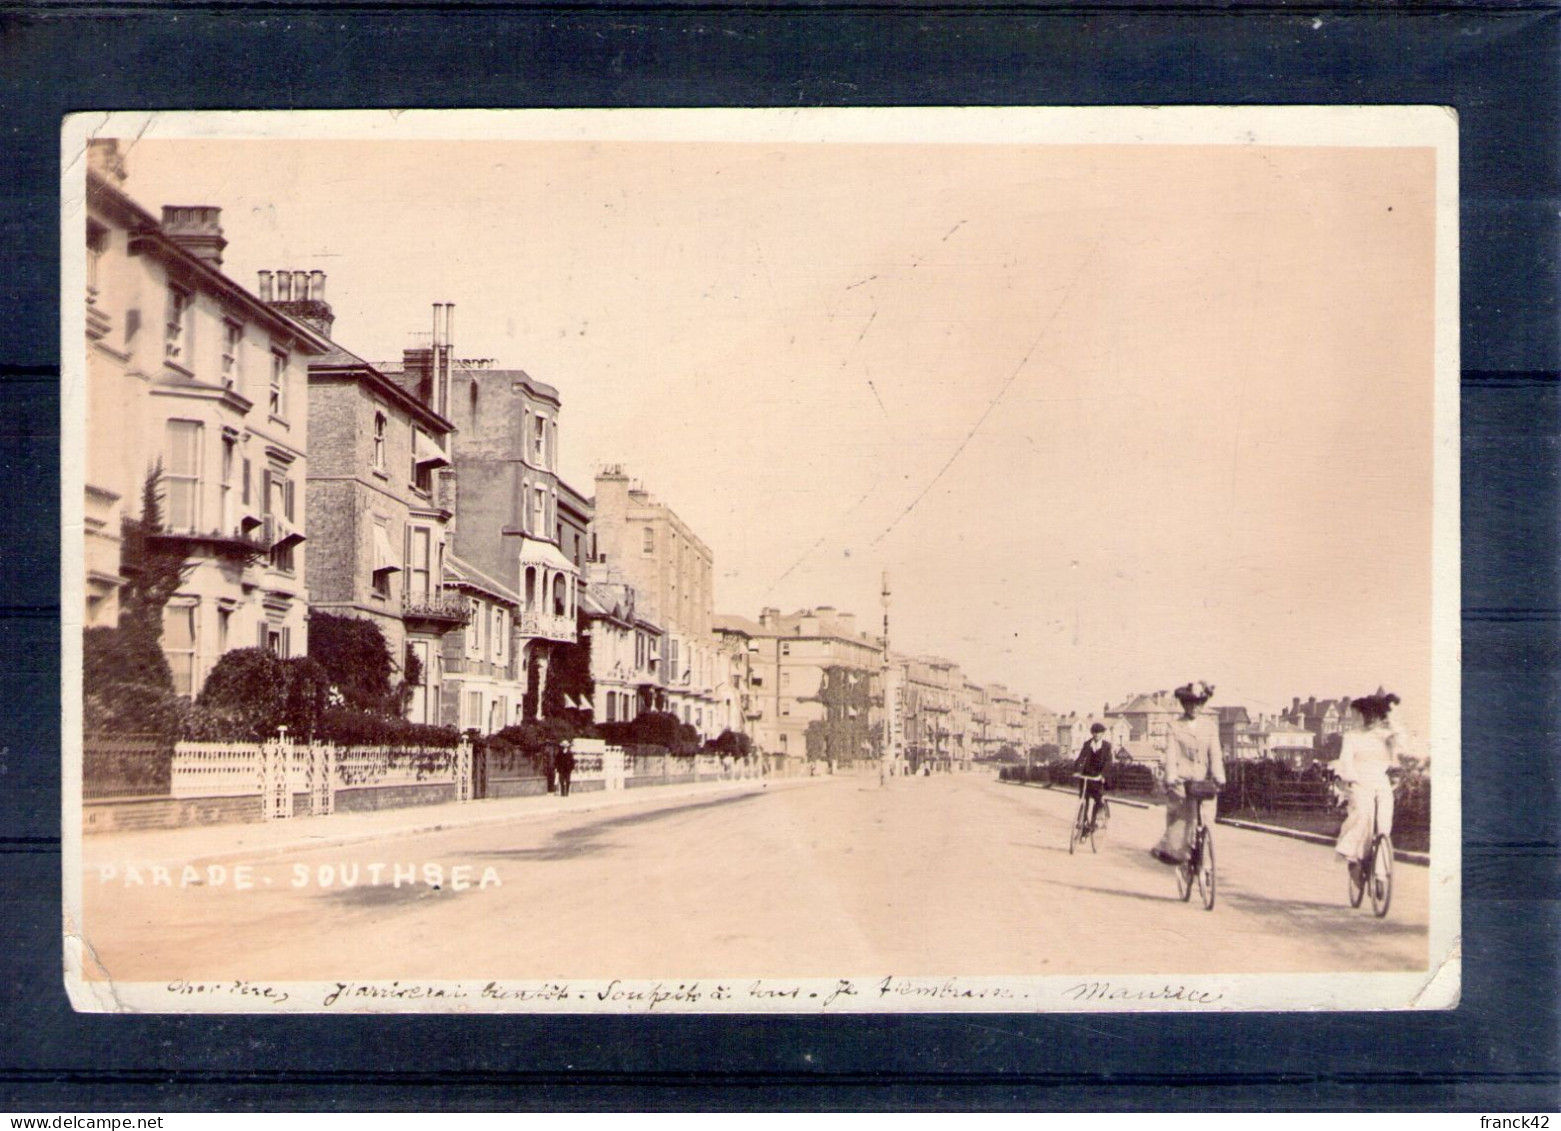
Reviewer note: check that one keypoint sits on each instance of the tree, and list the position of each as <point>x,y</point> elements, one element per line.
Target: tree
<point>154,567</point>
<point>127,686</point>
<point>357,662</point>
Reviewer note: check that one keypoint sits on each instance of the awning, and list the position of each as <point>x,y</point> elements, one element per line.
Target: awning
<point>284,534</point>
<point>426,452</point>
<point>384,557</point>
<point>533,552</point>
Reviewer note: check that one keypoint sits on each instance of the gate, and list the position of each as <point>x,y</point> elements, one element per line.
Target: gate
<point>276,786</point>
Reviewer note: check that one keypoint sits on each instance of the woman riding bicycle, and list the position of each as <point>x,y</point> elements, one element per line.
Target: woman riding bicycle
<point>1192,754</point>
<point>1365,757</point>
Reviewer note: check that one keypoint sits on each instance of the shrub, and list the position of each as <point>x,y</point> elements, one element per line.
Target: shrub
<point>247,692</point>
<point>127,686</point>
<point>731,742</point>
<point>347,727</point>
<point>356,660</point>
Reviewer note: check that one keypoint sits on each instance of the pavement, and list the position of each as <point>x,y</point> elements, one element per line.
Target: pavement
<point>217,843</point>
<point>954,873</point>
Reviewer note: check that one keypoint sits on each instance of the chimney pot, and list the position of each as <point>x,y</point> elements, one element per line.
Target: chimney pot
<point>265,286</point>
<point>317,286</point>
<point>284,286</point>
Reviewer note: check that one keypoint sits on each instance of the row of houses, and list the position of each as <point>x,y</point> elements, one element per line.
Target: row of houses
<point>423,494</point>
<point>1139,724</point>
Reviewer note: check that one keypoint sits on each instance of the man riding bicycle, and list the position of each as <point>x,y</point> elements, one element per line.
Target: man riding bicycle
<point>1094,757</point>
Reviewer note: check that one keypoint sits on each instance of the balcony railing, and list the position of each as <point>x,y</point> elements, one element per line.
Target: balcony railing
<point>549,626</point>
<point>437,609</point>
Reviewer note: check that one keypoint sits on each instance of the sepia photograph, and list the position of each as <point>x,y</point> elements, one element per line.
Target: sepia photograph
<point>731,561</point>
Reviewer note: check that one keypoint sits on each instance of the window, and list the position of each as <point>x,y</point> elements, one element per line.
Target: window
<point>539,441</point>
<point>379,441</point>
<point>176,331</point>
<point>229,465</point>
<point>538,511</point>
<point>179,638</point>
<point>278,504</point>
<point>474,709</point>
<point>278,383</point>
<point>97,244</point>
<point>224,623</point>
<point>612,707</point>
<point>182,475</point>
<point>232,342</point>
<point>419,581</point>
<point>649,545</point>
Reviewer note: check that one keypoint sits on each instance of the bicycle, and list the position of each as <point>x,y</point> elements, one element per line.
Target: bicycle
<point>1083,828</point>
<point>1375,869</point>
<point>1198,869</point>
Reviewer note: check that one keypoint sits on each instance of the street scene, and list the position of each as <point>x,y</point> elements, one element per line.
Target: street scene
<point>814,877</point>
<point>617,547</point>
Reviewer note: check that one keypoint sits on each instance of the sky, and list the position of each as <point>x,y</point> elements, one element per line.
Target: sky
<point>1112,417</point>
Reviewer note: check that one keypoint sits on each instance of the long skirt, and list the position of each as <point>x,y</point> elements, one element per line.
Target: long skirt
<point>1357,822</point>
<point>1181,813</point>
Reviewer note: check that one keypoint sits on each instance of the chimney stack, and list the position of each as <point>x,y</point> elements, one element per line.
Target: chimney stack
<point>198,229</point>
<point>301,296</point>
<point>105,159</point>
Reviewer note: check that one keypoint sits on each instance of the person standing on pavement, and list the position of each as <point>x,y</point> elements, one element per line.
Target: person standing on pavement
<point>1094,757</point>
<point>1192,753</point>
<point>566,769</point>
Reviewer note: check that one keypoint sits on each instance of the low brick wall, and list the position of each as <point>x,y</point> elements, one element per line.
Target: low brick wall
<point>516,787</point>
<point>393,797</point>
<point>126,814</point>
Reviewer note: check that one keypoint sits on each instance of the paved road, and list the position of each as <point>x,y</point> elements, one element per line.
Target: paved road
<point>930,876</point>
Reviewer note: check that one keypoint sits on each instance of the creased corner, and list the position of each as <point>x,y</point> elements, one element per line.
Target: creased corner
<point>1444,988</point>
<point>89,995</point>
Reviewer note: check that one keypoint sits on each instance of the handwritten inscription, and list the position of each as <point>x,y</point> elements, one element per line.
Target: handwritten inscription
<point>1105,992</point>
<point>695,996</point>
<point>254,992</point>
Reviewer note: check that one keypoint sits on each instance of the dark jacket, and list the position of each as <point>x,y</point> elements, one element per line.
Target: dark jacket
<point>1093,762</point>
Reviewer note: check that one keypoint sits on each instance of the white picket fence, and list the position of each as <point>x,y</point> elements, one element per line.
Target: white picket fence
<point>279,770</point>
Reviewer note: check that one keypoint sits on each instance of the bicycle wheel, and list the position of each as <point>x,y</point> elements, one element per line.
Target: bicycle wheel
<point>1206,870</point>
<point>1102,818</point>
<point>1355,877</point>
<point>1381,881</point>
<point>1076,830</point>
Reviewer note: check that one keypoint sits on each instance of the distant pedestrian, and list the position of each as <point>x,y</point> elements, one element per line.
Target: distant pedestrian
<point>566,769</point>
<point>1192,754</point>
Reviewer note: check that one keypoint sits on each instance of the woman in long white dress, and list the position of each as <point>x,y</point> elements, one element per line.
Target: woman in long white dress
<point>1365,757</point>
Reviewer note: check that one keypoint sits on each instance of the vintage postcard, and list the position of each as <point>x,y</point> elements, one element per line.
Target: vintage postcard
<point>709,561</point>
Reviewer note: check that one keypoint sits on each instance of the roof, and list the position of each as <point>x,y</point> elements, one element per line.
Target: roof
<point>1141,704</point>
<point>533,386</point>
<point>111,198</point>
<point>464,573</point>
<point>725,622</point>
<point>340,362</point>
